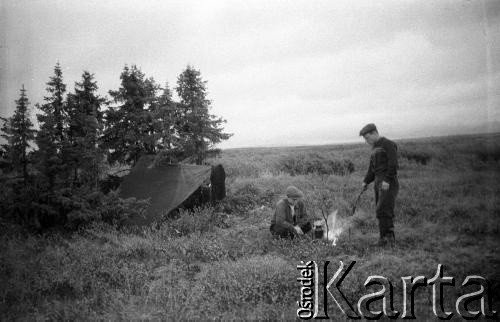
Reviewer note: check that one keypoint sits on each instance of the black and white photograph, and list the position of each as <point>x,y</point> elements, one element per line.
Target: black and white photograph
<point>249,160</point>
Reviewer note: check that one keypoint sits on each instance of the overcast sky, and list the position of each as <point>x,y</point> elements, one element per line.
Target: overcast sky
<point>280,72</point>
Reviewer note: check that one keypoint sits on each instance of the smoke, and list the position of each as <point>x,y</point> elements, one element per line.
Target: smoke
<point>335,226</point>
<point>332,227</point>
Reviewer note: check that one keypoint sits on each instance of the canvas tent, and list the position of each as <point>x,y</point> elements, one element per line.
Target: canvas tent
<point>167,186</point>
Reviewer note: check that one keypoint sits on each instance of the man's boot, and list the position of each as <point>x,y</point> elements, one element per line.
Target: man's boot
<point>391,239</point>
<point>382,242</point>
<point>387,239</point>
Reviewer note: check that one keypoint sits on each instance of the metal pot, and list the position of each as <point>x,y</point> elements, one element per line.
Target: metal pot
<point>318,232</point>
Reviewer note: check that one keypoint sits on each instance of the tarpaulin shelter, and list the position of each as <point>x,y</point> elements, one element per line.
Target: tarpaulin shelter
<point>167,186</point>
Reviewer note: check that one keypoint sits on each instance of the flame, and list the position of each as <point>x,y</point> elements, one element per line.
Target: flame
<point>334,228</point>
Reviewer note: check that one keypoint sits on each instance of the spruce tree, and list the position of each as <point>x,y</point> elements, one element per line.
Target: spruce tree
<point>51,136</point>
<point>128,124</point>
<point>18,132</point>
<point>165,116</point>
<point>198,129</point>
<point>150,132</point>
<point>85,126</point>
<point>55,102</point>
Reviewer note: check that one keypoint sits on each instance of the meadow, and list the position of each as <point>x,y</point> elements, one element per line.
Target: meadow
<point>221,263</point>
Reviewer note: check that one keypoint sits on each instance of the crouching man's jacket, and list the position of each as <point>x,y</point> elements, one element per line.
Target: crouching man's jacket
<point>283,214</point>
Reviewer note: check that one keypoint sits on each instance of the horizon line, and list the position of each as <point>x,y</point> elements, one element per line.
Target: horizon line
<point>496,132</point>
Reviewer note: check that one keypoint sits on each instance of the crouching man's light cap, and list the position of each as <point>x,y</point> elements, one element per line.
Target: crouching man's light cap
<point>294,192</point>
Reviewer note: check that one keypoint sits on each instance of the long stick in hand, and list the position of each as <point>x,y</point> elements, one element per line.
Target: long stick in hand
<point>356,201</point>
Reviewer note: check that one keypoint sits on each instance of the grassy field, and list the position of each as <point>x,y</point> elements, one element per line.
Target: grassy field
<point>224,264</point>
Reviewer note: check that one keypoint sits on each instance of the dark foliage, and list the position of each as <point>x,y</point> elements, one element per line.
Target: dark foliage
<point>128,122</point>
<point>82,153</point>
<point>420,157</point>
<point>488,153</point>
<point>198,129</point>
<point>315,163</point>
<point>61,180</point>
<point>110,182</point>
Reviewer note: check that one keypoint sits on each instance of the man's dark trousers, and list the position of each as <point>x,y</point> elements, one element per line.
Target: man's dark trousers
<point>385,200</point>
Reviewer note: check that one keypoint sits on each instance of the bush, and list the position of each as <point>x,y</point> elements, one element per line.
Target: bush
<point>243,196</point>
<point>420,157</point>
<point>83,206</point>
<point>115,210</point>
<point>37,208</point>
<point>487,153</point>
<point>314,163</point>
<point>241,168</point>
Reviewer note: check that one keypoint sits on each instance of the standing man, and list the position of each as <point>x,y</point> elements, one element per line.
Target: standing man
<point>290,217</point>
<point>383,171</point>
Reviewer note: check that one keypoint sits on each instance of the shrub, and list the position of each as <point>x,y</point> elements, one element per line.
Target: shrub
<point>115,210</point>
<point>243,195</point>
<point>314,163</point>
<point>37,208</point>
<point>420,157</point>
<point>486,152</point>
<point>95,206</point>
<point>241,168</point>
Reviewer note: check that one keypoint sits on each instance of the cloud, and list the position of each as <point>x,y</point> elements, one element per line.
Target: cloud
<point>278,71</point>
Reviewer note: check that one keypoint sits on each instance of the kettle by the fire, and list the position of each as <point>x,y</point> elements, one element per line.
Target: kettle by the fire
<point>318,231</point>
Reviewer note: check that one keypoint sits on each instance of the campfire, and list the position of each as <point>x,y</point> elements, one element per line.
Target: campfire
<point>330,227</point>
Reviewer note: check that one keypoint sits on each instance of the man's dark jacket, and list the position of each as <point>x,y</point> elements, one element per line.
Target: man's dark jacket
<point>383,162</point>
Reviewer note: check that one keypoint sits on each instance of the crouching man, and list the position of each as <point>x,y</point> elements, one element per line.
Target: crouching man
<point>290,217</point>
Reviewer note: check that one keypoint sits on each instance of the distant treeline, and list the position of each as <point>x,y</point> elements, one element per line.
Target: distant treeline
<point>52,175</point>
